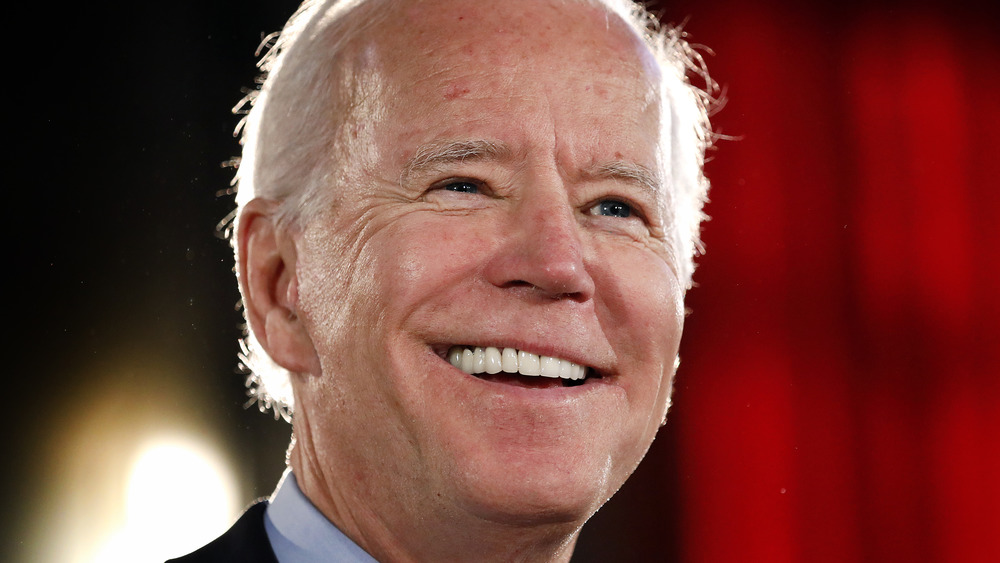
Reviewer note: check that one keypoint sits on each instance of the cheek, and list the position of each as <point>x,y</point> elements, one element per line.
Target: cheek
<point>642,314</point>
<point>342,271</point>
<point>425,260</point>
<point>369,284</point>
<point>643,304</point>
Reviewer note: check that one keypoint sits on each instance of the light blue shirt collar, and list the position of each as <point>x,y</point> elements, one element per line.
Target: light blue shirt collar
<point>299,533</point>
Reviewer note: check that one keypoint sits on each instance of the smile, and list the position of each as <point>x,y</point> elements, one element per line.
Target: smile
<point>493,360</point>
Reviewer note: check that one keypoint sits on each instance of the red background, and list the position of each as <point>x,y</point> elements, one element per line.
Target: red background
<point>840,383</point>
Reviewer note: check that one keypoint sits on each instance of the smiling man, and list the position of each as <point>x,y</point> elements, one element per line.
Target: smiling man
<point>463,237</point>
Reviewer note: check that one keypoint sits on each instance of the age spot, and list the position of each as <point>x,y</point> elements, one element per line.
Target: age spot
<point>455,91</point>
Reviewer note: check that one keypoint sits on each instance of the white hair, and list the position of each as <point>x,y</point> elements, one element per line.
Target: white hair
<point>289,126</point>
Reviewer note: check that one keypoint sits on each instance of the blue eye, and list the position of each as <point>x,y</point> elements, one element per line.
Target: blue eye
<point>612,208</point>
<point>462,186</point>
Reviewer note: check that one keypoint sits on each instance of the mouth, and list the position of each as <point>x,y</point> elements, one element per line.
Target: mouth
<point>518,367</point>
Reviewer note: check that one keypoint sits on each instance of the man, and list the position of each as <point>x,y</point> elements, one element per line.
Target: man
<point>464,233</point>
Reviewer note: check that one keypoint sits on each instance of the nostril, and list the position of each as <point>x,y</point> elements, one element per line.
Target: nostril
<point>550,293</point>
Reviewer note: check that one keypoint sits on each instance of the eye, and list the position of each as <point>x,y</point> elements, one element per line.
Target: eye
<point>461,186</point>
<point>458,193</point>
<point>611,208</point>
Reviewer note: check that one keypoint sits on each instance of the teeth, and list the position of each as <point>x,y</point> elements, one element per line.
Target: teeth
<point>468,361</point>
<point>510,360</point>
<point>527,364</point>
<point>550,366</point>
<point>567,370</point>
<point>479,361</point>
<point>493,360</point>
<point>455,356</point>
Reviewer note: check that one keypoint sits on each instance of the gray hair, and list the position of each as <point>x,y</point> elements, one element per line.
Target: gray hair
<point>288,130</point>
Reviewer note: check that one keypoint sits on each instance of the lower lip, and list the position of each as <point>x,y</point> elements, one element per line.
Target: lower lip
<point>523,380</point>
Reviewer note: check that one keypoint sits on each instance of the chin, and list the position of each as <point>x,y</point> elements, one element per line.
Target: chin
<point>531,508</point>
<point>534,493</point>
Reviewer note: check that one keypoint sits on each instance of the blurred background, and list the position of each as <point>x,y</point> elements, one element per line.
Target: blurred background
<point>839,390</point>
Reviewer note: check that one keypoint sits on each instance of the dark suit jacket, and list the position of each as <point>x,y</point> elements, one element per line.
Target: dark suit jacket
<point>245,542</point>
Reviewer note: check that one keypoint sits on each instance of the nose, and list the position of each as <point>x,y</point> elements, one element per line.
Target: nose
<point>542,251</point>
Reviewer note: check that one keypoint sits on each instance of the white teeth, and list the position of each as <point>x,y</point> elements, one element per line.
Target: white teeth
<point>550,366</point>
<point>479,361</point>
<point>468,361</point>
<point>527,363</point>
<point>493,360</point>
<point>566,370</point>
<point>510,360</point>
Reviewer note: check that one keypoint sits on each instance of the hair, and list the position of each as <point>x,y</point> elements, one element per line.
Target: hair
<point>289,126</point>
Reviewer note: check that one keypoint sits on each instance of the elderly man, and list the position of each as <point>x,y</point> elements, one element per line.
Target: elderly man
<point>464,233</point>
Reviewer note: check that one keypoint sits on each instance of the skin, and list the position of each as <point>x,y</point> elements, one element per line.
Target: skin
<point>510,246</point>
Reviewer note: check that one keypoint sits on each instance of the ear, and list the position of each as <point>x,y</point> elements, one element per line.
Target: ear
<point>269,285</point>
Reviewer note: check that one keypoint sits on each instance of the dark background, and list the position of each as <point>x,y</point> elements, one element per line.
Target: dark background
<point>837,399</point>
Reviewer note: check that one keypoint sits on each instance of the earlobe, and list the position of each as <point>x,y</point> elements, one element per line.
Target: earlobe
<point>268,283</point>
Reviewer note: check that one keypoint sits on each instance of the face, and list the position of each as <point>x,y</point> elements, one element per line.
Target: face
<point>500,188</point>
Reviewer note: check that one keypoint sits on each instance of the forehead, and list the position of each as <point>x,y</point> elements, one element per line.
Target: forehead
<point>553,32</point>
<point>455,65</point>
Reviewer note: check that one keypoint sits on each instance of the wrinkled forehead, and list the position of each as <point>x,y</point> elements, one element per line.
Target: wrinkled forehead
<point>416,63</point>
<point>501,57</point>
<point>417,39</point>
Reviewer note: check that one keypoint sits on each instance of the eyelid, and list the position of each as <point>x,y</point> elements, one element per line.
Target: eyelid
<point>483,187</point>
<point>440,184</point>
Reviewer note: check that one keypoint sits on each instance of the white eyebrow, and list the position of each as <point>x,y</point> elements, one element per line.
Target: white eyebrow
<point>630,172</point>
<point>440,153</point>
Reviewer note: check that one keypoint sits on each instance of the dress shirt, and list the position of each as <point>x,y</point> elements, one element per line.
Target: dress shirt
<point>299,533</point>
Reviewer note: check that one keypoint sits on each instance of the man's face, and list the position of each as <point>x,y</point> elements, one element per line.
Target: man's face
<point>498,186</point>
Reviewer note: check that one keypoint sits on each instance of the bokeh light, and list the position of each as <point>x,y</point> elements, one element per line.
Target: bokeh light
<point>179,497</point>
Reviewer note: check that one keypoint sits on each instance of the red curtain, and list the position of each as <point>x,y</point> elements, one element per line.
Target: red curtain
<point>839,394</point>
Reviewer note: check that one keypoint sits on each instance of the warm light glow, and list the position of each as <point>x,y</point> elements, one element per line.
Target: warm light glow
<point>179,498</point>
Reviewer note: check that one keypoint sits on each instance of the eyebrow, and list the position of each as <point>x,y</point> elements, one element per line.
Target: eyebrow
<point>442,153</point>
<point>629,172</point>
